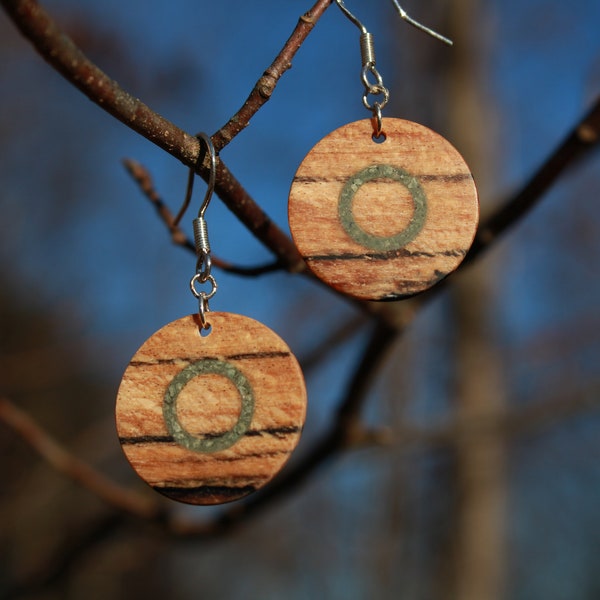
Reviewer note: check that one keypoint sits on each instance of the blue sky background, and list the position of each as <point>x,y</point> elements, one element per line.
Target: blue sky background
<point>80,239</point>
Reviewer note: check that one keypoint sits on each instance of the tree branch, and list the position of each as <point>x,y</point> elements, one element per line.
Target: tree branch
<point>509,422</point>
<point>344,433</point>
<point>265,86</point>
<point>62,54</point>
<point>72,467</point>
<point>144,180</point>
<point>579,142</point>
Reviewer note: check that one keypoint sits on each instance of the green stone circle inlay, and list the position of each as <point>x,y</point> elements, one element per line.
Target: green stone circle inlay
<point>375,242</point>
<point>208,366</point>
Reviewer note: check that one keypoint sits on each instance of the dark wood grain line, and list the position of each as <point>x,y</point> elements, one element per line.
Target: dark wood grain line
<point>145,439</point>
<point>255,355</point>
<point>225,492</point>
<point>444,178</point>
<point>189,360</point>
<point>279,432</point>
<point>402,253</point>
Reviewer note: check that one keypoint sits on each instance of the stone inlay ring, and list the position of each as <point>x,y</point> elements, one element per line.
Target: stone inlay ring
<point>214,443</point>
<point>375,242</point>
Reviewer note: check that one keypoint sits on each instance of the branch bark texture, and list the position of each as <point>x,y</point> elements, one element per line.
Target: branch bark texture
<point>62,54</point>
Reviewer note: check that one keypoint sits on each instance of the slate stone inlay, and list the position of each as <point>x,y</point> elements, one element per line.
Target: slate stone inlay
<point>208,366</point>
<point>375,242</point>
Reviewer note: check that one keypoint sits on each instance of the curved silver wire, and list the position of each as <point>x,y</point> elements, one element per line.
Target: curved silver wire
<point>203,137</point>
<point>197,278</point>
<point>404,15</point>
<point>377,120</point>
<point>341,4</point>
<point>204,261</point>
<point>203,297</point>
<point>213,172</point>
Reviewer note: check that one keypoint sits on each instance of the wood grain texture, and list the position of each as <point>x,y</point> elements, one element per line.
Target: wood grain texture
<point>260,378</point>
<point>383,221</point>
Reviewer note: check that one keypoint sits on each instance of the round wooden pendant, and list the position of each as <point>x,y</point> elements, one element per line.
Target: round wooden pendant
<point>383,220</point>
<point>209,419</point>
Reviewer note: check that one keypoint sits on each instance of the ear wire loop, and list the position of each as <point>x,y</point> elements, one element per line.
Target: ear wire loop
<point>208,146</point>
<point>203,258</point>
<point>367,52</point>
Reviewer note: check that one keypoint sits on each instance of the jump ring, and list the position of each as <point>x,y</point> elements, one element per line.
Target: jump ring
<point>375,91</point>
<point>203,295</point>
<point>203,267</point>
<point>376,120</point>
<point>370,68</point>
<point>202,310</point>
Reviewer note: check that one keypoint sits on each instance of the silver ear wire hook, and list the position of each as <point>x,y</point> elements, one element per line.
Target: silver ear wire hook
<point>212,174</point>
<point>369,71</point>
<point>367,52</point>
<point>404,15</point>
<point>192,176</point>
<point>342,6</point>
<point>203,262</point>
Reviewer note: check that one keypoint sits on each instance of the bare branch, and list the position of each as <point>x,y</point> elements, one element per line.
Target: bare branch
<point>343,434</point>
<point>62,54</point>
<point>266,84</point>
<point>580,142</point>
<point>74,468</point>
<point>332,340</point>
<point>510,422</point>
<point>143,178</point>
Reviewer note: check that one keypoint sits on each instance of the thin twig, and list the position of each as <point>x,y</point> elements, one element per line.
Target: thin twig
<point>584,137</point>
<point>144,180</point>
<point>344,432</point>
<point>62,54</point>
<point>142,177</point>
<point>509,422</point>
<point>265,86</point>
<point>331,341</point>
<point>72,467</point>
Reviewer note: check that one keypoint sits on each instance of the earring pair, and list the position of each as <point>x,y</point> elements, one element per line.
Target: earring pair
<point>211,406</point>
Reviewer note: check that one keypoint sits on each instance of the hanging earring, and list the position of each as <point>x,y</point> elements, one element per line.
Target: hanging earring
<point>382,209</point>
<point>212,405</point>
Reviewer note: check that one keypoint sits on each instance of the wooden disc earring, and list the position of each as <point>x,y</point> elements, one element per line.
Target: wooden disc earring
<point>381,209</point>
<point>211,406</point>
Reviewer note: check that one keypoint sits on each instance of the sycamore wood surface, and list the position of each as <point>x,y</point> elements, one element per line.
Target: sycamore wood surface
<point>382,208</point>
<point>208,406</point>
